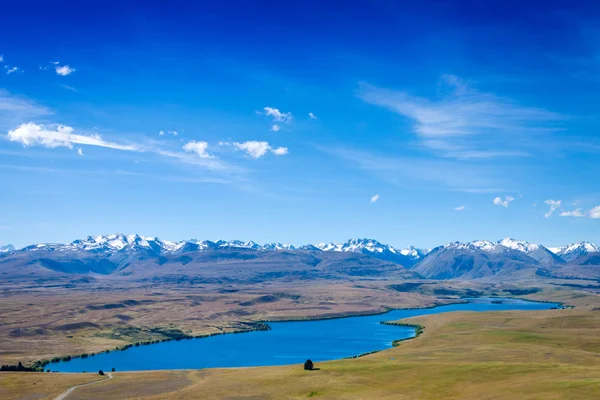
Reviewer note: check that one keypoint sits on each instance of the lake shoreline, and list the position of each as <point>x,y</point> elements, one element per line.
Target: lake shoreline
<point>263,326</point>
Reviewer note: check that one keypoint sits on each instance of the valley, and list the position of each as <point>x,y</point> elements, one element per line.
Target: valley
<point>94,295</point>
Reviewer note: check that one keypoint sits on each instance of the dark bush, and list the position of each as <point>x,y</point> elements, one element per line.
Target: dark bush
<point>308,365</point>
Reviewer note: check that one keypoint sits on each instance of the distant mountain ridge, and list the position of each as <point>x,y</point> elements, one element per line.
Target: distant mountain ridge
<point>152,245</point>
<point>105,254</point>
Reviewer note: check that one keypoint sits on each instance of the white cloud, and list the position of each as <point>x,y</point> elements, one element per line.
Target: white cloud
<point>52,136</point>
<point>275,128</point>
<point>256,149</point>
<point>280,151</point>
<point>595,212</point>
<point>278,116</point>
<point>504,203</point>
<point>200,148</point>
<point>174,133</point>
<point>554,204</point>
<point>11,70</point>
<point>460,208</point>
<point>375,198</point>
<point>462,122</point>
<point>80,151</point>
<point>161,133</point>
<point>64,70</point>
<point>312,116</point>
<point>575,213</point>
<point>1,58</point>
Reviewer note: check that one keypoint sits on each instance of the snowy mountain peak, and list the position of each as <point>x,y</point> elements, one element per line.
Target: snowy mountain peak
<point>484,245</point>
<point>369,245</point>
<point>576,250</point>
<point>7,248</point>
<point>328,246</point>
<point>519,245</point>
<point>413,252</point>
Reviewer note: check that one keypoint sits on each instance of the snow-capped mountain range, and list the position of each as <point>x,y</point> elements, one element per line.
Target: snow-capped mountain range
<point>119,243</point>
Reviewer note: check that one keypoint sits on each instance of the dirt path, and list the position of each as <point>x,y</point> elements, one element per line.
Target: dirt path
<point>68,392</point>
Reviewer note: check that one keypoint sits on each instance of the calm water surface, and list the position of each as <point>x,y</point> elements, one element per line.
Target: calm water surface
<point>285,343</point>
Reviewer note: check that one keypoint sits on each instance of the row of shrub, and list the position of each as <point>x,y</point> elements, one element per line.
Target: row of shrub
<point>20,368</point>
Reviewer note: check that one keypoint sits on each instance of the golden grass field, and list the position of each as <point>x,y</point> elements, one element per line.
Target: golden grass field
<point>40,324</point>
<point>552,354</point>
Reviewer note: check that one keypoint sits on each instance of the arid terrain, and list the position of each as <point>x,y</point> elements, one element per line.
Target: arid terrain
<point>58,321</point>
<point>56,303</point>
<point>552,354</point>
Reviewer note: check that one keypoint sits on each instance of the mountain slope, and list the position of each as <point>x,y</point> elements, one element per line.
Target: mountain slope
<point>475,260</point>
<point>536,251</point>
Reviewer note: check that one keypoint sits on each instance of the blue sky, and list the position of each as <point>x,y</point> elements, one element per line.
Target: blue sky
<point>417,123</point>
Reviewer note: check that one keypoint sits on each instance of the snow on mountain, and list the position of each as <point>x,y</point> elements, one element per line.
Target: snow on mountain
<point>519,245</point>
<point>481,245</point>
<point>7,248</point>
<point>278,246</point>
<point>149,246</point>
<point>367,245</point>
<point>414,253</point>
<point>329,246</point>
<point>576,250</point>
<point>406,257</point>
<point>484,245</point>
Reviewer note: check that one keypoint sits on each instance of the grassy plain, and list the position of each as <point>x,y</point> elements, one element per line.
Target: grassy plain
<point>552,354</point>
<point>41,323</point>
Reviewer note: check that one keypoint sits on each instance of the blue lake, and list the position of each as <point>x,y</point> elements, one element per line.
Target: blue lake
<point>285,343</point>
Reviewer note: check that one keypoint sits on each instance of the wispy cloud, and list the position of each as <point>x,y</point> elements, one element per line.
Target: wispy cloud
<point>55,136</point>
<point>15,109</point>
<point>11,70</point>
<point>460,208</point>
<point>503,202</point>
<point>276,128</point>
<point>51,136</point>
<point>278,116</point>
<point>463,122</point>
<point>20,106</point>
<point>312,116</point>
<point>375,198</point>
<point>447,149</point>
<point>554,205</point>
<point>64,70</point>
<point>455,175</point>
<point>70,88</point>
<point>578,213</point>
<point>575,213</point>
